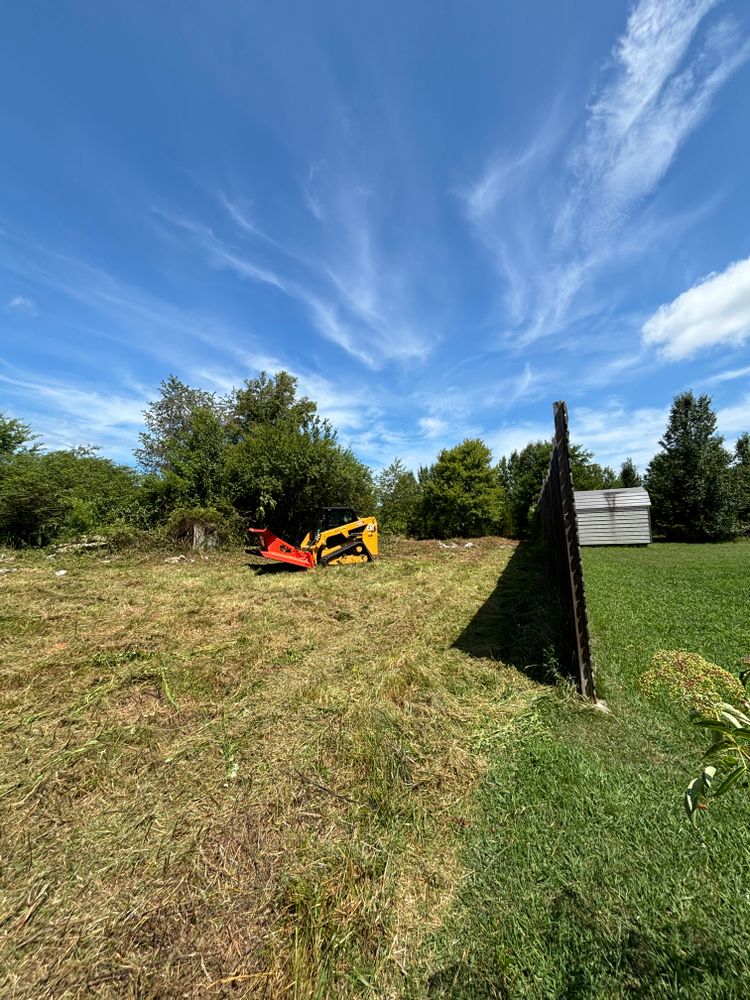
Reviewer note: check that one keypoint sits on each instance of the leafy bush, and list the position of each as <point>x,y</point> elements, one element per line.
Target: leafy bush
<point>46,497</point>
<point>122,537</point>
<point>398,495</point>
<point>226,524</point>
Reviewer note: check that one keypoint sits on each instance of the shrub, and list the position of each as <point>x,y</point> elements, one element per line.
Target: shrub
<point>226,526</point>
<point>398,494</point>
<point>688,677</point>
<point>46,497</point>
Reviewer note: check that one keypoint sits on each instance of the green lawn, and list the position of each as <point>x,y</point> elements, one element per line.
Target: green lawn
<point>585,879</point>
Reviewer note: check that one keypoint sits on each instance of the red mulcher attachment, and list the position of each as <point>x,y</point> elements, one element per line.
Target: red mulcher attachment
<point>273,547</point>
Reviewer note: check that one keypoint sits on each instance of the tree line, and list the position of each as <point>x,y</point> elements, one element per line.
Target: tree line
<point>263,455</point>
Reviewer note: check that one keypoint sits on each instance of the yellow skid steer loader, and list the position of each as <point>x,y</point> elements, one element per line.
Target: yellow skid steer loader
<point>338,536</point>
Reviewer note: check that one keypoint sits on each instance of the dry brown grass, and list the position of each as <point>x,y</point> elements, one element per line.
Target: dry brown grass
<point>223,783</point>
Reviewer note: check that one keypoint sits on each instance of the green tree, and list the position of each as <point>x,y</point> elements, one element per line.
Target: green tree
<point>263,452</point>
<point>741,480</point>
<point>15,436</point>
<point>270,400</point>
<point>398,494</point>
<point>629,475</point>
<point>522,476</point>
<point>196,458</point>
<point>169,420</point>
<point>462,495</point>
<point>588,475</point>
<point>285,461</point>
<point>279,475</point>
<point>689,480</point>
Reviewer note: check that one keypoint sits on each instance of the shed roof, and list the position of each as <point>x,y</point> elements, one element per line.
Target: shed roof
<point>633,496</point>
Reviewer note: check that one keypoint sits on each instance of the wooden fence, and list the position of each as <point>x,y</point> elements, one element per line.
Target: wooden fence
<point>557,511</point>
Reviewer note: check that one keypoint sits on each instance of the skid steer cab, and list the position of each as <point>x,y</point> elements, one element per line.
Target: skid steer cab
<point>337,536</point>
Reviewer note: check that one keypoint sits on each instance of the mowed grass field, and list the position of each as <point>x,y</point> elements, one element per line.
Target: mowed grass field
<point>223,782</point>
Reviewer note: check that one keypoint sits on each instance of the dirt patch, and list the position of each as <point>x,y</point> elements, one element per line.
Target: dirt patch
<point>135,705</point>
<point>431,549</point>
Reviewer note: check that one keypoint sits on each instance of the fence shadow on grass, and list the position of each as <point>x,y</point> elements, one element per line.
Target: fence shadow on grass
<point>521,623</point>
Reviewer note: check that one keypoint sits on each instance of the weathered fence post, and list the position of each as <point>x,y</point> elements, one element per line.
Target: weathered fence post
<point>556,508</point>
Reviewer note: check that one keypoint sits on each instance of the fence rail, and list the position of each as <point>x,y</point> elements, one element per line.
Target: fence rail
<point>556,508</point>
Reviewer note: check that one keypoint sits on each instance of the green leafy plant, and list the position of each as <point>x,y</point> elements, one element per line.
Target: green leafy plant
<point>728,756</point>
<point>225,523</point>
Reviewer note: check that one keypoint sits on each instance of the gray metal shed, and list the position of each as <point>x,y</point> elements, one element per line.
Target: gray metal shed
<point>614,517</point>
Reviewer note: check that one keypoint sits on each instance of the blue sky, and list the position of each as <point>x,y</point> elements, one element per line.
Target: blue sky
<point>441,217</point>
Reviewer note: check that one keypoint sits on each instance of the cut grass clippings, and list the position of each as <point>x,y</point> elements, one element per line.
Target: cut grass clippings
<point>219,778</point>
<point>221,781</point>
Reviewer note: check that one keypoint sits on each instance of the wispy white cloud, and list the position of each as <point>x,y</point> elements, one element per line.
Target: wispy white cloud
<point>663,80</point>
<point>313,201</point>
<point>663,76</point>
<point>502,177</point>
<point>240,215</point>
<point>514,436</point>
<point>733,420</point>
<point>614,432</point>
<point>714,311</point>
<point>525,381</point>
<point>352,298</point>
<point>315,205</point>
<point>432,427</point>
<point>22,304</point>
<point>218,253</point>
<point>728,375</point>
<point>67,415</point>
<point>604,371</point>
<point>122,311</point>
